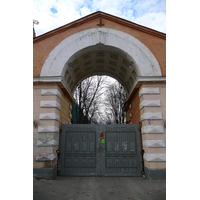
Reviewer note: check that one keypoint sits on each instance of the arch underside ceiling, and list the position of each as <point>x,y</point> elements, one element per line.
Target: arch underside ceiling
<point>100,60</point>
<point>100,51</point>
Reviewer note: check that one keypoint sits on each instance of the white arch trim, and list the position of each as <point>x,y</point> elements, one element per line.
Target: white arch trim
<point>147,64</point>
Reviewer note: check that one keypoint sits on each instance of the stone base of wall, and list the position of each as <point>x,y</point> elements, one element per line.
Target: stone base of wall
<point>155,173</point>
<point>45,173</point>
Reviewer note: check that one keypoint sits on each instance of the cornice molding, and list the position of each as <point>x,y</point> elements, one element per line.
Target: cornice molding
<point>101,15</point>
<point>139,81</point>
<point>47,79</point>
<point>54,79</point>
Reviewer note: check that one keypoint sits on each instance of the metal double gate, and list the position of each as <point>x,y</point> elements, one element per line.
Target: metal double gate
<point>100,150</point>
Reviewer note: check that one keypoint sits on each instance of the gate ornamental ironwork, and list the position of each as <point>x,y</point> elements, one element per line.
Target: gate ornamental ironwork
<point>100,150</point>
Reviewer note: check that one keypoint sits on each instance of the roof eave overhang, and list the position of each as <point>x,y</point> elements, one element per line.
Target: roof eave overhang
<point>98,15</point>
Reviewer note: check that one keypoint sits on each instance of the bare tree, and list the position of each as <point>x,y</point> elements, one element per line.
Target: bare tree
<point>88,96</point>
<point>115,97</point>
<point>100,101</point>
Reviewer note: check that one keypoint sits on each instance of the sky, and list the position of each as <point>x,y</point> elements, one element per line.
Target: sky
<point>52,14</point>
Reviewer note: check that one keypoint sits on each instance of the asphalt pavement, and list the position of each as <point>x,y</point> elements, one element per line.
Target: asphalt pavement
<point>99,188</point>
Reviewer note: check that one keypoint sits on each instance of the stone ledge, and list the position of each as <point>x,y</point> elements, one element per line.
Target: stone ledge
<point>45,157</point>
<point>151,115</point>
<point>155,157</point>
<point>149,90</point>
<point>50,104</point>
<point>47,142</point>
<point>154,143</point>
<point>150,103</point>
<point>49,116</point>
<point>152,129</point>
<point>50,129</point>
<point>50,92</point>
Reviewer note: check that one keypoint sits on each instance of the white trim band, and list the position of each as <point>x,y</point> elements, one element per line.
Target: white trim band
<point>50,104</point>
<point>47,142</point>
<point>150,103</point>
<point>49,129</point>
<point>45,157</point>
<point>50,92</point>
<point>147,64</point>
<point>155,157</point>
<point>151,115</point>
<point>47,79</point>
<point>149,90</point>
<point>49,116</point>
<point>154,143</point>
<point>152,129</point>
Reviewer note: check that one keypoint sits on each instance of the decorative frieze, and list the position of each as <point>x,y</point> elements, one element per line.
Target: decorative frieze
<point>155,157</point>
<point>50,92</point>
<point>49,129</point>
<point>45,156</point>
<point>50,104</point>
<point>150,103</point>
<point>49,116</point>
<point>151,115</point>
<point>47,142</point>
<point>149,90</point>
<point>152,129</point>
<point>154,143</point>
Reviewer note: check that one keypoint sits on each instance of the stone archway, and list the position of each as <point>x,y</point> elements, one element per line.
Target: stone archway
<point>125,54</point>
<point>93,51</point>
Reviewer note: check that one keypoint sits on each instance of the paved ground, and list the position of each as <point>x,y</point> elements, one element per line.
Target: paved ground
<point>99,188</point>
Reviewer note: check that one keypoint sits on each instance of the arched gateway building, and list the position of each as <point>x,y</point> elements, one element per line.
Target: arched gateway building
<point>100,44</point>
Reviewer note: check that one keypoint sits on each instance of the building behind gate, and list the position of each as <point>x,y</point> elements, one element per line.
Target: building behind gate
<point>99,44</point>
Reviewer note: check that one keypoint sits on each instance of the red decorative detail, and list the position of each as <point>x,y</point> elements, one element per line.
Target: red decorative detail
<point>102,135</point>
<point>58,167</point>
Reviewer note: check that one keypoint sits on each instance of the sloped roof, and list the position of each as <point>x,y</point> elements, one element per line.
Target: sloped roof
<point>96,15</point>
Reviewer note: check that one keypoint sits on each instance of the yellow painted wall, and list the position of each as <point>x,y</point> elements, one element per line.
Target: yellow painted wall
<point>65,110</point>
